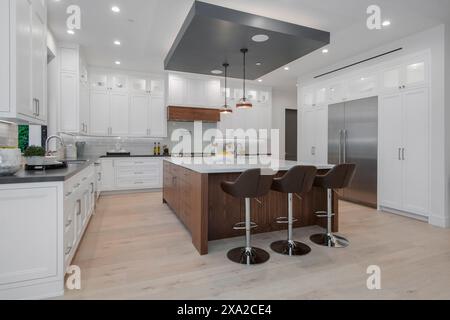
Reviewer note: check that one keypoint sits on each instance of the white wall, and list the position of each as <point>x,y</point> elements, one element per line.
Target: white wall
<point>447,110</point>
<point>282,99</point>
<point>432,39</point>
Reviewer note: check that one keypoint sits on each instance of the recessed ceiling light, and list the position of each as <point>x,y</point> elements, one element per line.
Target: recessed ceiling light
<point>117,43</point>
<point>286,68</point>
<point>70,31</point>
<point>260,38</point>
<point>117,62</point>
<point>386,23</point>
<point>362,79</point>
<point>115,9</point>
<point>325,51</point>
<point>258,64</point>
<point>216,71</point>
<point>260,80</point>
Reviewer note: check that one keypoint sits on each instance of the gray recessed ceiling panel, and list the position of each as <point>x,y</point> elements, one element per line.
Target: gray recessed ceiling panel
<point>212,35</point>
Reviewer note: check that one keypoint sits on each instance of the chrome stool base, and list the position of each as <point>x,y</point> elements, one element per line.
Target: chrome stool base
<point>292,248</point>
<point>242,256</point>
<point>330,240</point>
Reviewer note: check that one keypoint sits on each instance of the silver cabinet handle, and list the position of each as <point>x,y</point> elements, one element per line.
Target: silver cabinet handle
<point>92,186</point>
<point>38,107</point>
<point>69,223</point>
<point>79,207</point>
<point>68,250</point>
<point>400,154</point>
<point>99,176</point>
<point>403,154</point>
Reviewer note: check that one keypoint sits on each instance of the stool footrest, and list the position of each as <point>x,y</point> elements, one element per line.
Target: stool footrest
<point>323,214</point>
<point>284,220</point>
<point>241,226</point>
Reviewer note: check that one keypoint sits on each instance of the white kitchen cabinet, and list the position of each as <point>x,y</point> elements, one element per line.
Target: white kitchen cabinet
<point>99,110</point>
<point>338,91</point>
<point>5,57</point>
<point>411,73</point>
<point>158,117</point>
<point>320,96</point>
<point>108,180</point>
<point>363,85</point>
<point>157,87</point>
<point>314,135</point>
<point>194,91</point>
<point>39,63</point>
<point>307,94</point>
<point>99,81</point>
<point>139,106</point>
<point>28,234</point>
<point>138,84</point>
<point>177,91</point>
<point>69,102</point>
<point>118,83</point>
<point>131,174</point>
<point>118,113</point>
<point>84,108</point>
<point>404,157</point>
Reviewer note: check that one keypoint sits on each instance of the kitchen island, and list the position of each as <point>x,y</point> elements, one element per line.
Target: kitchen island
<point>192,190</point>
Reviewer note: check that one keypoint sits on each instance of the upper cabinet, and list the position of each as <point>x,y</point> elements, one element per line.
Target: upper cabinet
<point>23,61</point>
<point>412,73</point>
<point>194,91</point>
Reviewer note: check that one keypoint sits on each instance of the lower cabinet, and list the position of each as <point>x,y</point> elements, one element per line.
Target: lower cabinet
<point>131,174</point>
<point>41,226</point>
<point>314,135</point>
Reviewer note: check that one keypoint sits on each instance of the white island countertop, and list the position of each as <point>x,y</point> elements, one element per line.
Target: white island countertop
<point>237,165</point>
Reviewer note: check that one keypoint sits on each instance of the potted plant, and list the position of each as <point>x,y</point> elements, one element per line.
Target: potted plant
<point>35,156</point>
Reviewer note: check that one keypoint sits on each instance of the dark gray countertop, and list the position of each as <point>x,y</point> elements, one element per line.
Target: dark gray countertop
<point>135,156</point>
<point>56,175</point>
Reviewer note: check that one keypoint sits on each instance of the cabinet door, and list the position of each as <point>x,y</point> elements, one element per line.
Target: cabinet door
<point>99,81</point>
<point>24,100</point>
<point>321,136</point>
<point>337,92</point>
<point>118,83</point>
<point>307,152</point>
<point>416,73</point>
<point>79,208</point>
<point>138,85</point>
<point>28,228</point>
<point>320,96</point>
<point>390,144</point>
<point>415,122</point>
<point>307,97</point>
<point>99,113</point>
<point>177,90</point>
<point>39,65</point>
<point>213,94</point>
<point>157,87</point>
<point>108,177</point>
<point>363,86</point>
<point>158,117</point>
<point>5,57</point>
<point>84,108</point>
<point>139,108</point>
<point>391,79</point>
<point>196,93</point>
<point>118,116</point>
<point>69,102</point>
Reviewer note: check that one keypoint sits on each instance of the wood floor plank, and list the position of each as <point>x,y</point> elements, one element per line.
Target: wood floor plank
<point>135,248</point>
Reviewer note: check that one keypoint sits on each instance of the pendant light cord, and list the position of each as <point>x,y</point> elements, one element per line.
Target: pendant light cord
<point>243,95</point>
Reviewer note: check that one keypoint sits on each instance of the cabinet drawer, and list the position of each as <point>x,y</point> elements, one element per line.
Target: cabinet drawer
<point>69,236</point>
<point>143,162</point>
<point>138,183</point>
<point>138,170</point>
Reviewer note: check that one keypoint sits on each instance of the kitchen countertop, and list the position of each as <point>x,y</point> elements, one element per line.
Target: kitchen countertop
<point>231,165</point>
<point>134,156</point>
<point>56,175</point>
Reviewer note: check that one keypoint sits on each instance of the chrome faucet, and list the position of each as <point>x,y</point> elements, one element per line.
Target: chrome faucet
<point>47,145</point>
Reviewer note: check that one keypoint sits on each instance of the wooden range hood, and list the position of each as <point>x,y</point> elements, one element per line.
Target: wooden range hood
<point>191,114</point>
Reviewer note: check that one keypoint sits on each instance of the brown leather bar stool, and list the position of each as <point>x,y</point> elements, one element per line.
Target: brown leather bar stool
<point>340,177</point>
<point>250,184</point>
<point>298,180</point>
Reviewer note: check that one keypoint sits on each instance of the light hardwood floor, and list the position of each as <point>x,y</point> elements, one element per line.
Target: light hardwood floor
<point>135,248</point>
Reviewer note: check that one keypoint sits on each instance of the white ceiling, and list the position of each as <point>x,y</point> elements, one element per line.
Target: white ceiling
<point>147,28</point>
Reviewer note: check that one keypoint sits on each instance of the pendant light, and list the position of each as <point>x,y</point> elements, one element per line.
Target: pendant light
<point>244,103</point>
<point>226,109</point>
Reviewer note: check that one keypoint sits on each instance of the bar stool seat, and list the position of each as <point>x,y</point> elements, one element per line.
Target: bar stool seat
<point>299,181</point>
<point>340,177</point>
<point>249,185</point>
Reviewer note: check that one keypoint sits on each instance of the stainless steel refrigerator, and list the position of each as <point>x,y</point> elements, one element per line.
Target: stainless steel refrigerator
<point>353,138</point>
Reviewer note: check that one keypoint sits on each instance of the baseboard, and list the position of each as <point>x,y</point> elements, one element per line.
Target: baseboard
<point>119,192</point>
<point>404,214</point>
<point>39,291</point>
<point>439,222</point>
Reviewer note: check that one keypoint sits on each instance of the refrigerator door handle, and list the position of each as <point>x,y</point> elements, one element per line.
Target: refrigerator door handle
<point>340,146</point>
<point>345,146</point>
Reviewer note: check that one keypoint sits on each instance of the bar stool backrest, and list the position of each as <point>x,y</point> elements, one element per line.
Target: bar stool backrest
<point>340,177</point>
<point>250,184</point>
<point>299,180</point>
